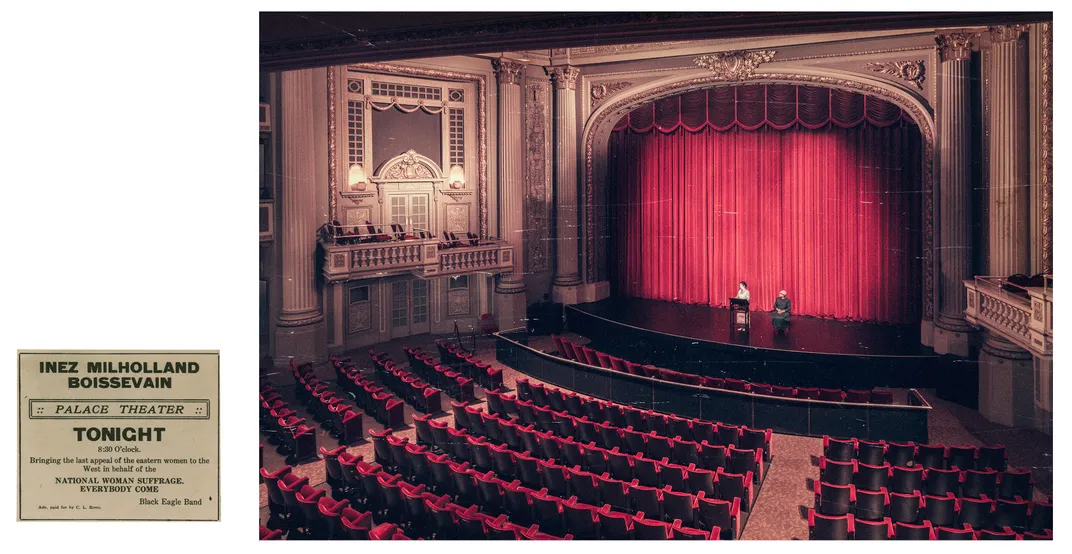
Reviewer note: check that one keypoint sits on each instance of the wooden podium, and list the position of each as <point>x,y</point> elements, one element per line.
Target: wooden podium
<point>740,318</point>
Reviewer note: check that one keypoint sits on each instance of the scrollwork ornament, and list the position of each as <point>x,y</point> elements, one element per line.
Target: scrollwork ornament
<point>912,71</point>
<point>739,64</point>
<point>601,91</point>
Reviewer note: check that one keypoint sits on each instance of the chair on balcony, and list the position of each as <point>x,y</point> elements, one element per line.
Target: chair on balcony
<point>374,235</point>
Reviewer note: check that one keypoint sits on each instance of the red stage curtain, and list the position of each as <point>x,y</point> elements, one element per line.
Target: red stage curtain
<point>830,214</point>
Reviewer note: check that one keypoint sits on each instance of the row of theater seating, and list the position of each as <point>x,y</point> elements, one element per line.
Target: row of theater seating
<point>913,500</point>
<point>616,425</point>
<point>455,384</point>
<point>353,476</point>
<point>929,456</point>
<point>433,495</point>
<point>847,527</point>
<point>465,362</point>
<point>971,483</point>
<point>383,406</point>
<point>310,512</point>
<point>328,404</point>
<point>585,355</point>
<point>408,386</point>
<point>558,498</point>
<point>601,476</point>
<point>940,510</point>
<point>284,428</point>
<point>667,461</point>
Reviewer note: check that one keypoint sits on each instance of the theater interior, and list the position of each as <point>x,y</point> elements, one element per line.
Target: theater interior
<point>529,276</point>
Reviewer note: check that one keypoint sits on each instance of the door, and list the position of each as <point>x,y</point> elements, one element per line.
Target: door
<point>409,308</point>
<point>410,211</point>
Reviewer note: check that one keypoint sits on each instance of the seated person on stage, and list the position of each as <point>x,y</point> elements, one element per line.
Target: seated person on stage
<point>780,317</point>
<point>742,292</point>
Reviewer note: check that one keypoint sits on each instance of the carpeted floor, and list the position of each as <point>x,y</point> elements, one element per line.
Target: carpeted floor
<point>780,512</point>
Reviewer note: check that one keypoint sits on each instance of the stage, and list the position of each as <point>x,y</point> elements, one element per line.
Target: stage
<point>699,339</point>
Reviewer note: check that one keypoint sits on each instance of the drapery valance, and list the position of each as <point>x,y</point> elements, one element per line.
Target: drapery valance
<point>749,107</point>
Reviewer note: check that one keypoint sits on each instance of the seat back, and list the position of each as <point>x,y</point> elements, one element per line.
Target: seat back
<point>822,527</point>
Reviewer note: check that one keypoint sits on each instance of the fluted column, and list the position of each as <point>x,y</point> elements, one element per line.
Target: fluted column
<point>567,275</point>
<point>511,170</point>
<point>952,332</point>
<point>510,297</point>
<point>300,334</point>
<point>1008,193</point>
<point>1006,379</point>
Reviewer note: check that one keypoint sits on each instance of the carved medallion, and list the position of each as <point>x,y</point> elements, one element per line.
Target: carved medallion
<point>601,91</point>
<point>408,167</point>
<point>907,70</point>
<point>731,66</point>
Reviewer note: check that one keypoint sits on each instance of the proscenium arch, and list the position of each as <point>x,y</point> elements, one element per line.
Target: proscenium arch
<point>600,125</point>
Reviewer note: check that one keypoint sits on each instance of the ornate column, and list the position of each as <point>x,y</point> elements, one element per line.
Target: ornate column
<point>301,333</point>
<point>1008,144</point>
<point>1006,376</point>
<point>952,333</point>
<point>511,163</point>
<point>567,279</point>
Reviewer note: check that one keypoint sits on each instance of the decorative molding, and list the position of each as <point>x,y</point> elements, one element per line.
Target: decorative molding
<point>912,71</point>
<point>601,91</point>
<point>859,53</point>
<point>359,317</point>
<point>954,46</point>
<point>409,166</point>
<point>564,76</point>
<point>736,65</point>
<point>610,114</point>
<point>1007,33</point>
<point>358,216</point>
<point>482,121</point>
<point>458,302</point>
<point>1046,148</point>
<point>333,170</point>
<point>458,218</point>
<point>996,345</point>
<point>538,177</point>
<point>508,71</point>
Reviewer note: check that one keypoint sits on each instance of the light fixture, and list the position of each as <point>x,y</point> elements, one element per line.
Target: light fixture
<point>457,177</point>
<point>357,178</point>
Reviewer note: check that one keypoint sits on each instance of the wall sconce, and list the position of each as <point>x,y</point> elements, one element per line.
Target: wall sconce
<point>457,177</point>
<point>357,178</point>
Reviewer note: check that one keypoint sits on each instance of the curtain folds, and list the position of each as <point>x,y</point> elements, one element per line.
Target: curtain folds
<point>829,213</point>
<point>750,107</point>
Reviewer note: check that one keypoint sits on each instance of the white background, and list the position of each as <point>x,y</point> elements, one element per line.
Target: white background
<point>128,211</point>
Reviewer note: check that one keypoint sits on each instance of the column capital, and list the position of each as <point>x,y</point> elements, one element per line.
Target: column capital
<point>954,46</point>
<point>508,71</point>
<point>564,76</point>
<point>1007,33</point>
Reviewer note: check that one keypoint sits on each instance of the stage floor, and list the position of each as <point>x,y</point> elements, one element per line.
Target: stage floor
<point>806,334</point>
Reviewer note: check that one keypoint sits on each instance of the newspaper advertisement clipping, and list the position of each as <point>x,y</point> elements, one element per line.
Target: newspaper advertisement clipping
<point>125,435</point>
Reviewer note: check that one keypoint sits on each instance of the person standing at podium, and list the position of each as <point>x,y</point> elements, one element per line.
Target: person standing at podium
<point>742,292</point>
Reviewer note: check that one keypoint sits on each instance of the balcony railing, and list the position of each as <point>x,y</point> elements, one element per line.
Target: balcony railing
<point>423,258</point>
<point>1022,315</point>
